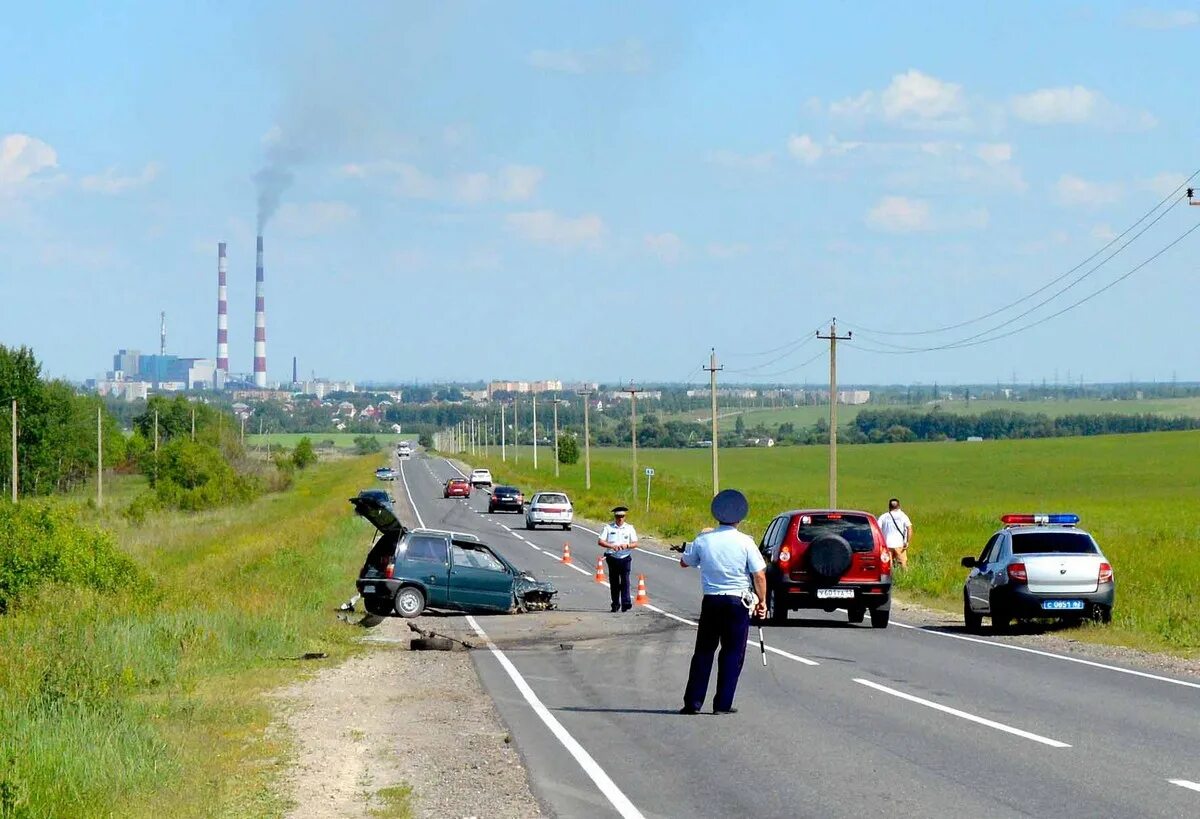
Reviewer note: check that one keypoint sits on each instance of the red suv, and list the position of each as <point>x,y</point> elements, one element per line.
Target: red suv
<point>828,559</point>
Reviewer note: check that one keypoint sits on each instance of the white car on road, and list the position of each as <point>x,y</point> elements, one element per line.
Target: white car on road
<point>549,509</point>
<point>481,477</point>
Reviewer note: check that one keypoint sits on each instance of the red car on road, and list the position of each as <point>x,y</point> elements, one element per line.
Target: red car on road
<point>828,559</point>
<point>457,488</point>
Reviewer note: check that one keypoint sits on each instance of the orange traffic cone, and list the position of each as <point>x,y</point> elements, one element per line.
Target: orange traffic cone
<point>600,569</point>
<point>566,558</point>
<point>642,598</point>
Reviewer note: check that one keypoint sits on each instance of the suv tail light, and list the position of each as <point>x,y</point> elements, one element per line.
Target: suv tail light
<point>1106,573</point>
<point>1017,573</point>
<point>390,571</point>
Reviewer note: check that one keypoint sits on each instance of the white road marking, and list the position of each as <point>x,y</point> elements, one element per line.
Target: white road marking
<point>1050,654</point>
<point>411,501</point>
<point>999,726</point>
<point>1183,783</point>
<point>665,613</point>
<point>607,787</point>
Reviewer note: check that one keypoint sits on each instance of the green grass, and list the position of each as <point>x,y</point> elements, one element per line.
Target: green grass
<point>151,703</point>
<point>341,440</point>
<point>395,803</point>
<point>1136,493</point>
<point>806,416</point>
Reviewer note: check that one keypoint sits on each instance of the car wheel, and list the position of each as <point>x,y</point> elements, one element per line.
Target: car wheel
<point>529,524</point>
<point>1001,619</point>
<point>779,614</point>
<point>377,605</point>
<point>410,602</point>
<point>880,617</point>
<point>566,527</point>
<point>1102,614</point>
<point>972,621</point>
<point>855,614</point>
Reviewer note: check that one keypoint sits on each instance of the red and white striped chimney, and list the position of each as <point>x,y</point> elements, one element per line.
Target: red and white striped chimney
<point>260,321</point>
<point>222,317</point>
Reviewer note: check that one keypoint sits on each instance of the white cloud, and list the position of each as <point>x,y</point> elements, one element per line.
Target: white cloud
<point>314,218</point>
<point>742,162</point>
<point>994,153</point>
<point>512,183</point>
<point>517,183</point>
<point>1076,105</point>
<point>727,250</point>
<point>110,182</point>
<point>912,99</point>
<point>549,228</point>
<point>628,57</point>
<point>1103,233</point>
<point>24,160</point>
<point>899,214</point>
<point>1163,184</point>
<point>1072,191</point>
<point>804,148</point>
<point>668,247</point>
<point>1162,20</point>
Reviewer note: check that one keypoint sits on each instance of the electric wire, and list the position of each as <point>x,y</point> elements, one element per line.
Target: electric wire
<point>794,342</point>
<point>963,342</point>
<point>798,346</point>
<point>1043,319</point>
<point>799,366</point>
<point>1175,194</point>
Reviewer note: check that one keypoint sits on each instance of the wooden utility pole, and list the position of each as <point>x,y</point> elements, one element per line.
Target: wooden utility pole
<point>712,372</point>
<point>833,338</point>
<point>556,435</point>
<point>193,424</point>
<point>633,391</point>
<point>15,473</point>
<point>587,442</point>
<point>99,458</point>
<point>516,432</point>
<point>535,429</point>
<point>503,436</point>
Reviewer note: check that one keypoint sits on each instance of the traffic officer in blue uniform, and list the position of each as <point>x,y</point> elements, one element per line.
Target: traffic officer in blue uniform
<point>730,564</point>
<point>619,539</point>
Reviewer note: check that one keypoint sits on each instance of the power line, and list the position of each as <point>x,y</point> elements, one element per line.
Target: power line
<point>1175,194</point>
<point>797,346</point>
<point>796,342</point>
<point>799,366</point>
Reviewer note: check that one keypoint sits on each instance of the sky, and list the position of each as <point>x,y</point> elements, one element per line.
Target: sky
<point>460,191</point>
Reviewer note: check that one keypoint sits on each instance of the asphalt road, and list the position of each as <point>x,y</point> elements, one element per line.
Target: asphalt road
<point>845,720</point>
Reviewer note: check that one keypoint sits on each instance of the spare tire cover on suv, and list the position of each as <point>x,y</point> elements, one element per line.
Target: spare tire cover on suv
<point>829,556</point>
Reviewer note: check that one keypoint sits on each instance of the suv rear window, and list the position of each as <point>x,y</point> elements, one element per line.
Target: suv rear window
<point>856,529</point>
<point>1034,543</point>
<point>552,498</point>
<point>505,490</point>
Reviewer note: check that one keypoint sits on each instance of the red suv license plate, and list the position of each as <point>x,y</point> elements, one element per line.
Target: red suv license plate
<point>835,594</point>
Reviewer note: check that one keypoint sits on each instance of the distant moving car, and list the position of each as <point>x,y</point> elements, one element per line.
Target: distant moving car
<point>457,488</point>
<point>506,499</point>
<point>828,559</point>
<point>404,449</point>
<point>385,473</point>
<point>409,570</point>
<point>381,495</point>
<point>481,477</point>
<point>549,509</point>
<point>1038,566</point>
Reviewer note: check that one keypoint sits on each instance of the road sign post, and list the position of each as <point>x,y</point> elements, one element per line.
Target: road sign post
<point>649,475</point>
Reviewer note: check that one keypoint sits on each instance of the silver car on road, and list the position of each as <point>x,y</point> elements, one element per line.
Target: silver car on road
<point>1038,566</point>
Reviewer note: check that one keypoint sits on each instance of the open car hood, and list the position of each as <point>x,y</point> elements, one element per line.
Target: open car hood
<point>381,517</point>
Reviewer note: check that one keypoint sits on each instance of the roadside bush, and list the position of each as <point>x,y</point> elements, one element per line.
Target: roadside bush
<point>425,439</point>
<point>41,544</point>
<point>194,476</point>
<point>304,455</point>
<point>568,449</point>
<point>366,445</point>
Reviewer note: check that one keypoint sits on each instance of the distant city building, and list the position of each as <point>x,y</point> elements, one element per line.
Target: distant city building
<point>642,395</point>
<point>125,390</point>
<point>523,386</point>
<point>854,396</point>
<point>259,395</point>
<point>322,387</point>
<point>727,392</point>
<point>476,395</point>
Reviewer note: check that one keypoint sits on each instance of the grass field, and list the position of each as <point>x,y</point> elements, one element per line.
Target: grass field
<point>806,416</point>
<point>341,440</point>
<point>1136,493</point>
<point>152,702</point>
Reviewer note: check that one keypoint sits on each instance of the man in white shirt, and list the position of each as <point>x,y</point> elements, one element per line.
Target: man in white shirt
<point>730,564</point>
<point>897,532</point>
<point>619,539</point>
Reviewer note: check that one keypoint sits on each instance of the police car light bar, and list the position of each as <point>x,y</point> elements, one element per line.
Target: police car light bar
<point>1041,520</point>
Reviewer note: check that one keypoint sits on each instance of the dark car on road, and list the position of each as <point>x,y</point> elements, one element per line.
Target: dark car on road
<point>506,499</point>
<point>828,559</point>
<point>381,495</point>
<point>409,570</point>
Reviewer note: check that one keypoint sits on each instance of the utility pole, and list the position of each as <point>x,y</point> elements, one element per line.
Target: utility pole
<point>712,372</point>
<point>156,432</point>
<point>587,441</point>
<point>632,390</point>
<point>535,430</point>
<point>15,473</point>
<point>556,435</point>
<point>503,436</point>
<point>833,338</point>
<point>516,432</point>
<point>99,458</point>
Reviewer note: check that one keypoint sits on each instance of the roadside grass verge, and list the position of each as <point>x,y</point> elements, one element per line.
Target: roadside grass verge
<point>1135,493</point>
<point>150,702</point>
<point>323,440</point>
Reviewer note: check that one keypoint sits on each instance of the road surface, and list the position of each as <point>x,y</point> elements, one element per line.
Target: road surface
<point>845,720</point>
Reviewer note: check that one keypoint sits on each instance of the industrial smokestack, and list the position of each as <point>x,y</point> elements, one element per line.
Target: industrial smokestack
<point>260,321</point>
<point>295,371</point>
<point>222,318</point>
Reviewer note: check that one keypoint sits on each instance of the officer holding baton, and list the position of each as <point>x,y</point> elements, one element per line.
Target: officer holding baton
<point>619,539</point>
<point>730,564</point>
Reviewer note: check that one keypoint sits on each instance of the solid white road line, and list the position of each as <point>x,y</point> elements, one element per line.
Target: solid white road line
<point>411,501</point>
<point>1050,654</point>
<point>999,726</point>
<point>607,787</point>
<point>1183,783</point>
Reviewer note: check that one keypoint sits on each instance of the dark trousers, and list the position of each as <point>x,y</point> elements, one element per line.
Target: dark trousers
<point>618,580</point>
<point>724,621</point>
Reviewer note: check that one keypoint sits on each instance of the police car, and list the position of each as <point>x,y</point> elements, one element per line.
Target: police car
<point>1038,566</point>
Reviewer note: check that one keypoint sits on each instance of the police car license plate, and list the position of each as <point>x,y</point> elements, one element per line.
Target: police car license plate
<point>368,589</point>
<point>835,594</point>
<point>1060,605</point>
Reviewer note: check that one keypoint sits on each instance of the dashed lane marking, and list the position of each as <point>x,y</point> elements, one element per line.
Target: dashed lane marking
<point>945,709</point>
<point>1183,783</point>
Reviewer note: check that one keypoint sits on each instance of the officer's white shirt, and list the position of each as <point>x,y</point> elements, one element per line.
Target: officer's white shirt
<point>727,559</point>
<point>623,535</point>
<point>895,526</point>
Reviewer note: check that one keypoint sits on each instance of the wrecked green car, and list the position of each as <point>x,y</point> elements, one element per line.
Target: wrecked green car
<point>409,570</point>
